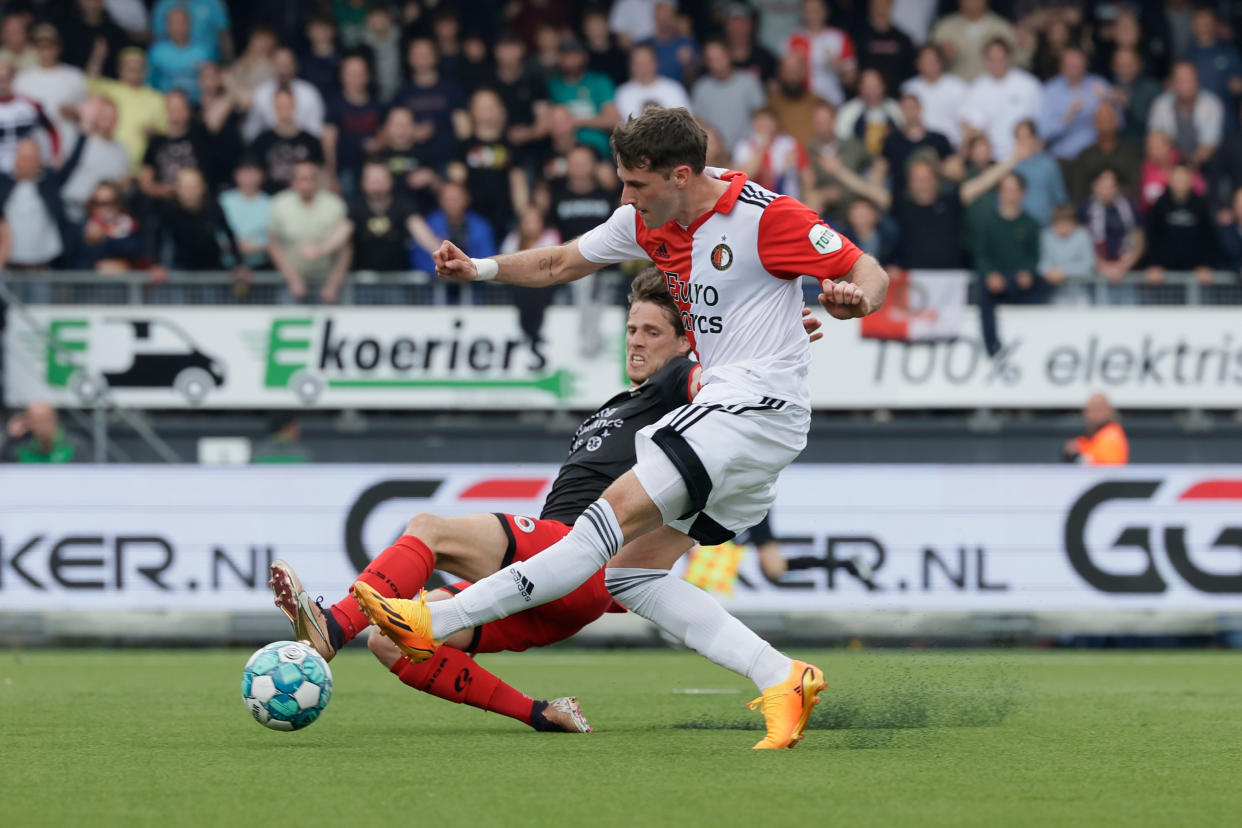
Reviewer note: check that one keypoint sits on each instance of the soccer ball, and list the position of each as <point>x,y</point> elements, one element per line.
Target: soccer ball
<point>286,685</point>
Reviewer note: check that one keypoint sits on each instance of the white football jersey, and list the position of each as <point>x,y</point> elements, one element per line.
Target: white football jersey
<point>735,273</point>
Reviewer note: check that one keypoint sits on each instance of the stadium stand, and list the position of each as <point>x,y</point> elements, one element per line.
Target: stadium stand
<point>149,153</point>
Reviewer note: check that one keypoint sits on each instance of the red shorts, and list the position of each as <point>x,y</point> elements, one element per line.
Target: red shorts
<point>548,623</point>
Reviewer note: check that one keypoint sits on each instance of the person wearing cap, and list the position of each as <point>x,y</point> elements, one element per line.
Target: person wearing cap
<point>59,88</point>
<point>588,95</point>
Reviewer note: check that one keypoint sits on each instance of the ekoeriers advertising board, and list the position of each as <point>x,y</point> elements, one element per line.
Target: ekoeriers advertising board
<point>955,538</point>
<point>476,358</point>
<point>153,357</point>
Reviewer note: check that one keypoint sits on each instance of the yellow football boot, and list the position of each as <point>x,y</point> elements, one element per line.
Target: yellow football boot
<point>407,623</point>
<point>787,706</point>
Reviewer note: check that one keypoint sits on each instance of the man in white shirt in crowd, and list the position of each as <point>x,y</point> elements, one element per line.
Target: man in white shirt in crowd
<point>36,237</point>
<point>103,158</point>
<point>646,87</point>
<point>940,93</point>
<point>308,106</point>
<point>35,215</point>
<point>725,97</point>
<point>1001,98</point>
<point>58,87</point>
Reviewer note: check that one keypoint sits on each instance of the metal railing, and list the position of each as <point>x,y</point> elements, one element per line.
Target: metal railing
<point>416,287</point>
<point>103,405</point>
<point>87,287</point>
<point>1178,288</point>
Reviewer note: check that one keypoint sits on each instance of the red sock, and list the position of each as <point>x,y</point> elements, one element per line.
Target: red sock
<point>453,675</point>
<point>399,572</point>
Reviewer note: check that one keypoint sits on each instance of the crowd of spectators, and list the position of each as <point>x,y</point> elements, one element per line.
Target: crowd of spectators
<point>1033,142</point>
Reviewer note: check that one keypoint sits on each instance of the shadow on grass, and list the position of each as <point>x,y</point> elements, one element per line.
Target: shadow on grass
<point>895,699</point>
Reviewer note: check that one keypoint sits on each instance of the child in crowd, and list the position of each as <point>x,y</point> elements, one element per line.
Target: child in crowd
<point>1066,252</point>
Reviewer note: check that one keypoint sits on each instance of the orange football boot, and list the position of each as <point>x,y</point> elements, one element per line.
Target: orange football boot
<point>787,706</point>
<point>406,622</point>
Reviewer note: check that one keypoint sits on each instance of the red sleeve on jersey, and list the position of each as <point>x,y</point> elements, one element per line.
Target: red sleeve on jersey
<point>794,241</point>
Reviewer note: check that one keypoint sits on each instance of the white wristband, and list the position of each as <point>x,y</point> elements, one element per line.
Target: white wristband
<point>487,269</point>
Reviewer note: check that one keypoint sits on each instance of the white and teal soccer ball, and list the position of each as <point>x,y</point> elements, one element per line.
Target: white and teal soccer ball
<point>286,685</point>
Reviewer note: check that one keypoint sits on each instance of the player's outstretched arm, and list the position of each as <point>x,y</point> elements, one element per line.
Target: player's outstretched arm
<point>858,293</point>
<point>538,267</point>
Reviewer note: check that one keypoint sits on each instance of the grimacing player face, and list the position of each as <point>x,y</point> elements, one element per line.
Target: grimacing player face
<point>650,341</point>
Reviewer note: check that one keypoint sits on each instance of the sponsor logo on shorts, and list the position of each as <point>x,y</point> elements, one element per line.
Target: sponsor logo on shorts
<point>524,524</point>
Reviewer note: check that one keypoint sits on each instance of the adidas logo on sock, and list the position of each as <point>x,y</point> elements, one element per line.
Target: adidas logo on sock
<point>525,587</point>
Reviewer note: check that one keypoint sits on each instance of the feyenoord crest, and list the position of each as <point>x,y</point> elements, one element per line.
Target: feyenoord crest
<point>722,257</point>
<point>524,523</point>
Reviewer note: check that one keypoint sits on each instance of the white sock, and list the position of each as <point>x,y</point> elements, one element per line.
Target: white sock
<point>554,572</point>
<point>699,621</point>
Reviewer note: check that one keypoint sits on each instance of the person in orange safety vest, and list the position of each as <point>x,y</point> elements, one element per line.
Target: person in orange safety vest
<point>1104,442</point>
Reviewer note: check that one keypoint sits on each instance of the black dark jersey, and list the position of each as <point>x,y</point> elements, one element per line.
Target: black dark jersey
<point>603,446</point>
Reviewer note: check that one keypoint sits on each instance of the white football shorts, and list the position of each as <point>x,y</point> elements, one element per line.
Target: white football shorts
<point>726,450</point>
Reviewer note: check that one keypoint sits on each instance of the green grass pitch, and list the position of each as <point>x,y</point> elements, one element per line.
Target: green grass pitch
<point>901,738</point>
